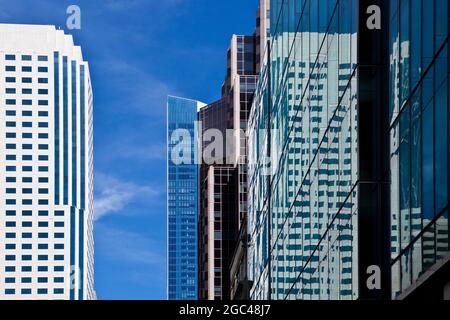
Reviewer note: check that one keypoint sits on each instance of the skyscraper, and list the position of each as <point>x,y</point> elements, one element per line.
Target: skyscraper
<point>304,169</point>
<point>419,118</point>
<point>46,169</point>
<point>223,181</point>
<point>182,198</point>
<point>218,205</point>
<point>341,176</point>
<point>348,151</point>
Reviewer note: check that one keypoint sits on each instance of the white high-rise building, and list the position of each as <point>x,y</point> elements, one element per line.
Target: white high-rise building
<point>46,166</point>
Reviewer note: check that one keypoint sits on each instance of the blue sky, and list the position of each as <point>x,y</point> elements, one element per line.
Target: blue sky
<point>139,52</point>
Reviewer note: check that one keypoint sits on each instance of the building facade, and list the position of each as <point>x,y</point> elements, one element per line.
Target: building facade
<point>182,198</point>
<point>46,170</point>
<point>419,134</point>
<point>223,177</point>
<point>217,231</point>
<point>303,155</point>
<point>341,166</point>
<point>217,212</point>
<point>348,152</point>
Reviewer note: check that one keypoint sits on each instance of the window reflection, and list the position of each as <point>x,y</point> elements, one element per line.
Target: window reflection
<point>419,107</point>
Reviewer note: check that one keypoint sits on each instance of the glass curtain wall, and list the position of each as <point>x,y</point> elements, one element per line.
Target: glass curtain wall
<point>419,115</point>
<point>303,173</point>
<point>182,200</point>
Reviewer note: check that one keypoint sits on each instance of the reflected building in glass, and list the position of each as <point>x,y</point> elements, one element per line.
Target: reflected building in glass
<point>303,171</point>
<point>182,198</point>
<point>349,152</point>
<point>341,171</point>
<point>419,135</point>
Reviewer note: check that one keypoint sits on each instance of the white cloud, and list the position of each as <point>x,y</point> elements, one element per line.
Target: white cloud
<point>126,4</point>
<point>120,4</point>
<point>143,153</point>
<point>113,195</point>
<point>139,92</point>
<point>149,152</point>
<point>138,149</point>
<point>130,247</point>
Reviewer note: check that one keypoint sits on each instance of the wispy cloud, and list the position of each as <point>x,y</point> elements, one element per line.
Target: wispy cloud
<point>129,247</point>
<point>121,4</point>
<point>137,147</point>
<point>113,195</point>
<point>146,152</point>
<point>139,91</point>
<point>124,4</point>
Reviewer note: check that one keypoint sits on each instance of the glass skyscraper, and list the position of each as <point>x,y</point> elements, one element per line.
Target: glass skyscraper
<point>349,152</point>
<point>344,170</point>
<point>303,171</point>
<point>182,198</point>
<point>419,134</point>
<point>46,166</point>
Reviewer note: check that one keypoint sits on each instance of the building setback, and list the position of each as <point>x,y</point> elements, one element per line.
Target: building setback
<point>46,171</point>
<point>223,180</point>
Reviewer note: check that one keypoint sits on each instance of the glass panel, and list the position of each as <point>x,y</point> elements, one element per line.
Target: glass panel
<point>406,272</point>
<point>396,278</point>
<point>429,248</point>
<point>405,185</point>
<point>428,163</point>
<point>442,237</point>
<point>417,266</point>
<point>416,168</point>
